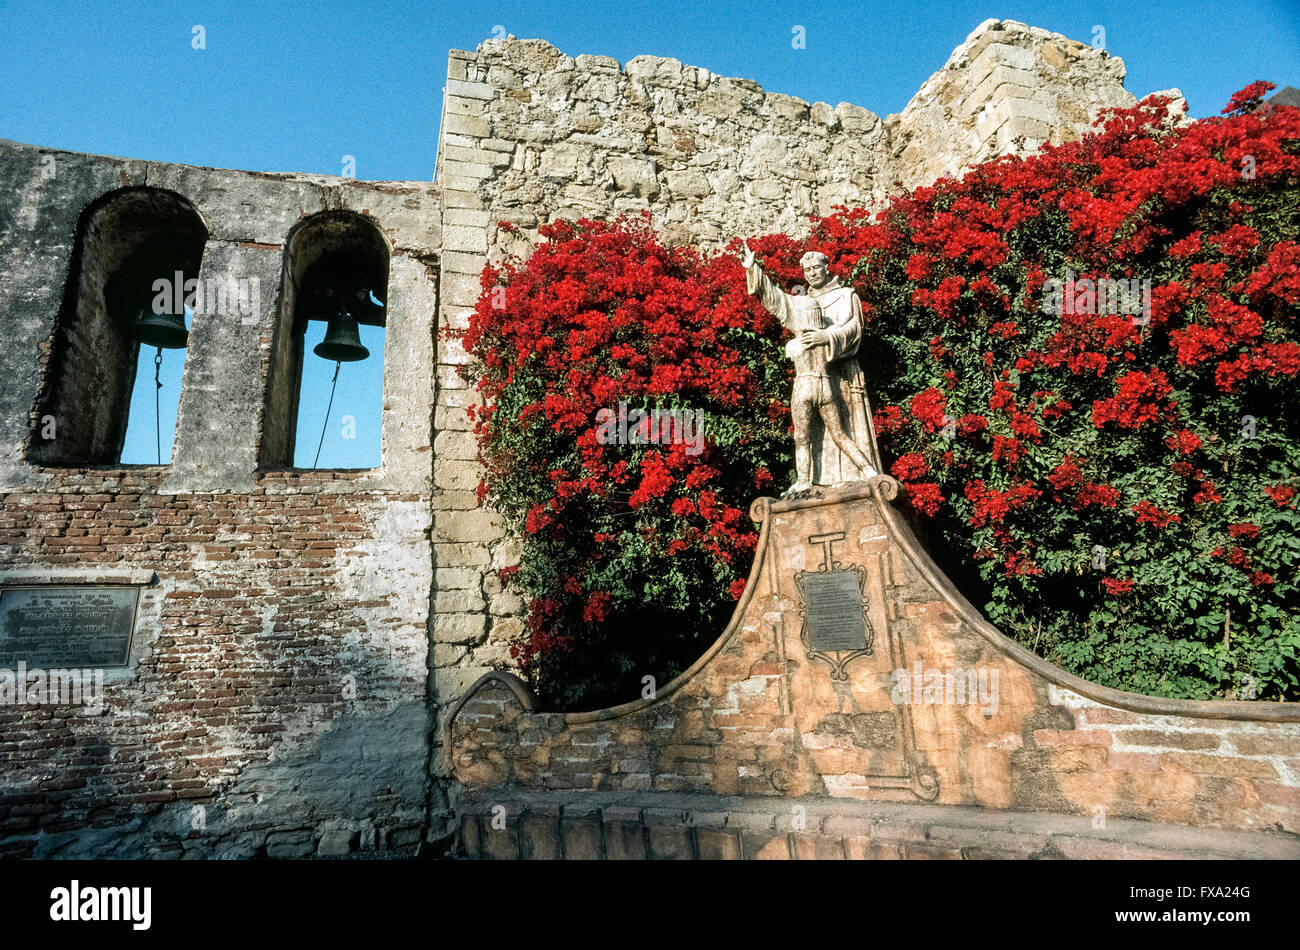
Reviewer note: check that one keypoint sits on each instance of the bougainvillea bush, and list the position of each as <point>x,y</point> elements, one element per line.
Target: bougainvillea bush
<point>1124,482</point>
<point>1117,490</point>
<point>633,552</point>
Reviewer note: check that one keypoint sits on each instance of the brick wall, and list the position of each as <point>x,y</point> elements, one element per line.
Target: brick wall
<point>281,682</point>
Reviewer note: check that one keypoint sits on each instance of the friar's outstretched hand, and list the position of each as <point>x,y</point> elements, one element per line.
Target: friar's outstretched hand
<point>747,255</point>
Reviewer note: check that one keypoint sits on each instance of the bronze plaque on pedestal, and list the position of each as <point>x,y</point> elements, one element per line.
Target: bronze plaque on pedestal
<point>833,605</point>
<point>62,627</point>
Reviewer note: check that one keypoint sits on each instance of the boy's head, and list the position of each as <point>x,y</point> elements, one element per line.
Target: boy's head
<point>808,312</point>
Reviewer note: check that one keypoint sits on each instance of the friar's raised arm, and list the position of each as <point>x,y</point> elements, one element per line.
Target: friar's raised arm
<point>774,300</point>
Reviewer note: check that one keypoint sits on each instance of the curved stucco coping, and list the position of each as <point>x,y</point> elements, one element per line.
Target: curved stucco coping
<point>884,490</point>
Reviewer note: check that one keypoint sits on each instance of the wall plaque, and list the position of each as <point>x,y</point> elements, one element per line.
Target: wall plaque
<point>66,627</point>
<point>833,604</point>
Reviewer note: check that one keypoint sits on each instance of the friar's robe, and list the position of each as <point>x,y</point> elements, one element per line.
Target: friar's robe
<point>842,320</point>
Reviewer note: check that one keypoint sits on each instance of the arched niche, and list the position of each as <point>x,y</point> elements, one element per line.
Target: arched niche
<point>328,255</point>
<point>126,240</point>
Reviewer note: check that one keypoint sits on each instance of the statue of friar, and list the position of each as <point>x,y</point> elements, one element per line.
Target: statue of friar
<point>834,438</point>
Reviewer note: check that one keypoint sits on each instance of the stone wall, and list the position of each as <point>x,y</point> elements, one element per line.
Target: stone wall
<point>530,135</point>
<point>939,709</point>
<point>279,675</point>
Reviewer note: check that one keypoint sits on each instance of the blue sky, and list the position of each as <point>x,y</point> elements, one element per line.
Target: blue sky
<point>295,87</point>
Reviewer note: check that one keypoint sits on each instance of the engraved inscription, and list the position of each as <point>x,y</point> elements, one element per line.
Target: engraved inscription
<point>66,627</point>
<point>835,620</point>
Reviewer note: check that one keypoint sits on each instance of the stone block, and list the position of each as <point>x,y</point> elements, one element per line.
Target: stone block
<point>856,118</point>
<point>718,845</point>
<point>625,840</point>
<point>861,848</point>
<point>787,107</point>
<point>472,125</point>
<point>597,64</point>
<point>447,475</point>
<point>582,841</point>
<point>459,628</point>
<point>505,604</point>
<point>290,844</point>
<point>1002,54</point>
<point>458,601</point>
<point>474,171</point>
<point>564,162</point>
<point>669,843</point>
<point>1031,130</point>
<point>465,238</point>
<point>823,114</point>
<point>336,841</point>
<point>455,445</point>
<point>757,846</point>
<point>539,838</point>
<point>500,844</point>
<point>690,183</point>
<point>467,836</point>
<point>654,71</point>
<point>920,851</point>
<point>634,176</point>
<point>460,262</point>
<point>817,848</point>
<point>479,525</point>
<point>471,90</point>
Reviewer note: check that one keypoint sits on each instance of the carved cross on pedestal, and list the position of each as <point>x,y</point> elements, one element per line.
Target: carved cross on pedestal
<point>826,540</point>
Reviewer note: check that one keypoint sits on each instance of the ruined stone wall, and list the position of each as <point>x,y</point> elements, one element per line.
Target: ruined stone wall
<point>279,673</point>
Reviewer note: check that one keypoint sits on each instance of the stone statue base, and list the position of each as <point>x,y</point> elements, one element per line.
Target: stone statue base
<point>853,670</point>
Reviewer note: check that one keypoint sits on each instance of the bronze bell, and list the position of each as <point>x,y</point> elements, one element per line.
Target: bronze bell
<point>342,340</point>
<point>163,330</point>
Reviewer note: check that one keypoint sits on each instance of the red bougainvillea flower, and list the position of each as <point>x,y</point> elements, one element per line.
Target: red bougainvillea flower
<point>910,467</point>
<point>925,497</point>
<point>1282,494</point>
<point>1138,401</point>
<point>1148,513</point>
<point>928,408</point>
<point>1207,494</point>
<point>1184,442</point>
